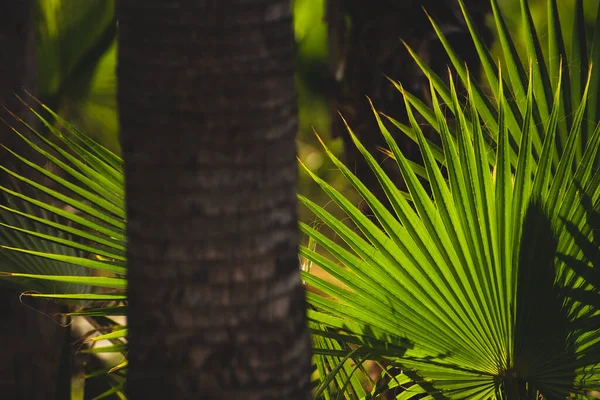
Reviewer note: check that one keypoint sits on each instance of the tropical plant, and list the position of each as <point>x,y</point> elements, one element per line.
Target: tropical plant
<point>479,282</point>
<point>71,247</point>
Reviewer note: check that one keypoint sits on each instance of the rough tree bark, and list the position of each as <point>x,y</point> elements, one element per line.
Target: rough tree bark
<point>208,118</point>
<point>362,55</point>
<point>31,342</point>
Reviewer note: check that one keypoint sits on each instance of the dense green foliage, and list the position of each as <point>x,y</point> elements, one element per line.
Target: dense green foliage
<point>487,288</point>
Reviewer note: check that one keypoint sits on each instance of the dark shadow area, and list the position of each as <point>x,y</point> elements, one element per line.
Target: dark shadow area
<point>584,299</point>
<point>544,346</point>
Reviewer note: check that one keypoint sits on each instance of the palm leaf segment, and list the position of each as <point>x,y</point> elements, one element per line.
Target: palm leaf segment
<point>63,237</point>
<point>485,288</point>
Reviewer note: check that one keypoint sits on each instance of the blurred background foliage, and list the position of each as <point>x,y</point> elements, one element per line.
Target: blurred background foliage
<point>76,59</point>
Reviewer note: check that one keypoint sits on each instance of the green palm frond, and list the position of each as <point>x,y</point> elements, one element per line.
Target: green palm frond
<point>62,234</point>
<point>479,281</point>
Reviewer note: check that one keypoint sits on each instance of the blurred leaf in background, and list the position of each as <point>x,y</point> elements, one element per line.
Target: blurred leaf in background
<point>311,64</point>
<point>539,13</point>
<point>76,59</point>
<point>315,91</point>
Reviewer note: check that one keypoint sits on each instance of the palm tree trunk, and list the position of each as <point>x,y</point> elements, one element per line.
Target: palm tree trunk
<point>208,118</point>
<point>31,342</point>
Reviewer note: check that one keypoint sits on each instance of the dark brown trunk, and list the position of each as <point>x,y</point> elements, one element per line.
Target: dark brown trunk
<point>372,49</point>
<point>208,118</point>
<point>17,70</point>
<point>31,342</point>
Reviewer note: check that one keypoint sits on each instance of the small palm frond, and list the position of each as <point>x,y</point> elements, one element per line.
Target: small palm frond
<point>479,281</point>
<point>62,234</point>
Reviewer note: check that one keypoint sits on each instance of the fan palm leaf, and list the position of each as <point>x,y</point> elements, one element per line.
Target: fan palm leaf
<point>475,282</point>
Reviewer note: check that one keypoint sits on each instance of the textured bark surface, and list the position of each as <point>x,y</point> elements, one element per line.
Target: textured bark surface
<point>31,342</point>
<point>372,49</point>
<point>208,119</point>
<point>17,68</point>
